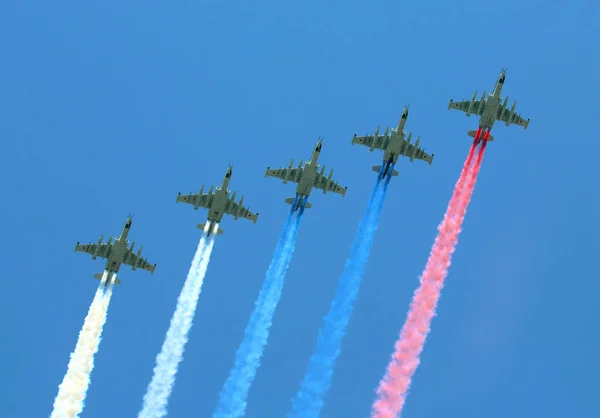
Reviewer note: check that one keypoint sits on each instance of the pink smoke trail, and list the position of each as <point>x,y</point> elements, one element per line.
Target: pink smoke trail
<point>393,388</point>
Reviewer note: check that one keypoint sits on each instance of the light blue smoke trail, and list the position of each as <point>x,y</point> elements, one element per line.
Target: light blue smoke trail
<point>309,400</point>
<point>234,394</point>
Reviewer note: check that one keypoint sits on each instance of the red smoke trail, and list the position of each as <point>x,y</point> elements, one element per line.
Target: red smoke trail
<point>393,388</point>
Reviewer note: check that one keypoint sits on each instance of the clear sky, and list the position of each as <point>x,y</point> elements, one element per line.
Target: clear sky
<point>110,108</point>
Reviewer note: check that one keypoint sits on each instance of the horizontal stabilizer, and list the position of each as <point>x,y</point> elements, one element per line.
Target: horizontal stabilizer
<point>472,134</point>
<point>100,275</point>
<point>290,201</point>
<point>377,169</point>
<point>202,226</point>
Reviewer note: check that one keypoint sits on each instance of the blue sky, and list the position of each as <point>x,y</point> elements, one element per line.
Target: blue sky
<point>112,108</point>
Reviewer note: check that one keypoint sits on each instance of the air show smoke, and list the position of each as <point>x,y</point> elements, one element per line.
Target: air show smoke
<point>393,388</point>
<point>72,391</point>
<point>233,397</point>
<point>310,398</point>
<point>171,354</point>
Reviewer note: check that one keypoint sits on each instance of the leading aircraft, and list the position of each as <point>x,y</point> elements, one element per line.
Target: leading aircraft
<point>394,145</point>
<point>307,176</point>
<point>116,253</point>
<point>490,110</point>
<point>218,204</point>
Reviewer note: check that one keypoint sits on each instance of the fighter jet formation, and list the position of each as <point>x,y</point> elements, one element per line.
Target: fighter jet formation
<point>219,201</point>
<point>393,145</point>
<point>311,174</point>
<point>218,204</point>
<point>490,110</point>
<point>116,253</point>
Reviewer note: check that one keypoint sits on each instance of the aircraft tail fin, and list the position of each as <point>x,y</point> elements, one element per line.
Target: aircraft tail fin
<point>472,134</point>
<point>202,226</point>
<point>394,173</point>
<point>290,201</point>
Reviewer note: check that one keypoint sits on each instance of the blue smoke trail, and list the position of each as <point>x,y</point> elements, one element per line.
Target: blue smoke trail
<point>309,400</point>
<point>234,394</point>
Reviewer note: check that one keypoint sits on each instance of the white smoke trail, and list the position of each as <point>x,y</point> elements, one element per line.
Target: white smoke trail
<point>71,393</point>
<point>171,354</point>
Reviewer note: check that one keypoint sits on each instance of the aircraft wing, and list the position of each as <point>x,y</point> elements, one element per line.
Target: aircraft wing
<point>99,250</point>
<point>200,200</point>
<point>371,141</point>
<point>510,116</point>
<point>236,209</point>
<point>328,185</point>
<point>134,260</point>
<point>410,150</point>
<point>286,174</point>
<point>472,106</point>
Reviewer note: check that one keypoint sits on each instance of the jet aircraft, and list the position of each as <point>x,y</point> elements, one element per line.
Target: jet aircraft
<point>116,253</point>
<point>218,204</point>
<point>490,110</point>
<point>307,176</point>
<point>394,144</point>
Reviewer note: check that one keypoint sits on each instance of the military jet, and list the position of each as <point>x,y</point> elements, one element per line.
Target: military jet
<point>490,110</point>
<point>116,253</point>
<point>307,176</point>
<point>394,144</point>
<point>218,204</point>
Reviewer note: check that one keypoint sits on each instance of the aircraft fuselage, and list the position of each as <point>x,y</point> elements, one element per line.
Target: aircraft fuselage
<point>118,250</point>
<point>394,147</point>
<point>492,104</point>
<point>309,174</point>
<point>220,198</point>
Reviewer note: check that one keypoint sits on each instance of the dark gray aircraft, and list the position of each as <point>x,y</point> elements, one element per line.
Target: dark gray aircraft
<point>116,253</point>
<point>307,176</point>
<point>394,145</point>
<point>490,110</point>
<point>218,204</point>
